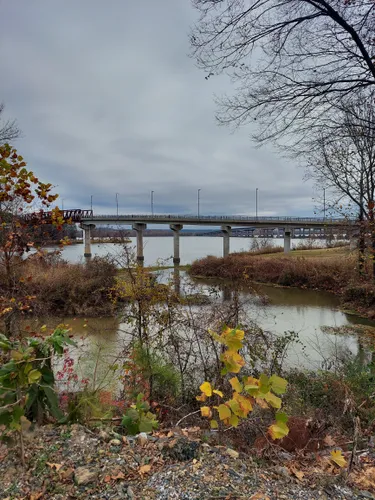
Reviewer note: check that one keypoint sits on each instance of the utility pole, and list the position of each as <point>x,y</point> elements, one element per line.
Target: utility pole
<point>324,203</point>
<point>199,190</point>
<point>152,203</point>
<point>256,203</point>
<point>117,203</point>
<point>91,202</point>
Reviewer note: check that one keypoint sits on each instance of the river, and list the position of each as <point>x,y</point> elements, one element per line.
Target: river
<point>160,249</point>
<point>325,333</point>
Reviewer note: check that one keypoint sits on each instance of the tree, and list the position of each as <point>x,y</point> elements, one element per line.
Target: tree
<point>292,61</point>
<point>343,159</point>
<point>8,128</point>
<point>20,188</point>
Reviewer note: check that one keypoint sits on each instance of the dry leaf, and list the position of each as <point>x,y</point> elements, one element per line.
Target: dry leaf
<point>35,496</point>
<point>64,474</point>
<point>170,434</point>
<point>328,440</point>
<point>120,475</point>
<point>260,496</point>
<point>54,466</point>
<point>298,473</point>
<point>144,469</point>
<point>107,479</point>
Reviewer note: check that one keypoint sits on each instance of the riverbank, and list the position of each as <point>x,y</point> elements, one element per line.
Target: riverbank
<point>333,270</point>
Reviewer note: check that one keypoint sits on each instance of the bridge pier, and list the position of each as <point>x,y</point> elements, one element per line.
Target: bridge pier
<point>226,230</point>
<point>287,240</point>
<point>87,239</point>
<point>176,228</point>
<point>139,227</point>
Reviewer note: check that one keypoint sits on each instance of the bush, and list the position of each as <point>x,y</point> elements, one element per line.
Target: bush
<point>70,289</point>
<point>362,294</point>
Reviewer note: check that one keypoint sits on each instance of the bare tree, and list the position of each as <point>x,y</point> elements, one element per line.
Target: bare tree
<point>291,61</point>
<point>8,128</point>
<point>343,159</point>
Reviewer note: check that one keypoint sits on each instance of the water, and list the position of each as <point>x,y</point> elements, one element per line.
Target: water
<point>161,248</point>
<point>306,312</point>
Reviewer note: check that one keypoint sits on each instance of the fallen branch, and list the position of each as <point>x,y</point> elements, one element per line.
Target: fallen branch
<point>186,416</point>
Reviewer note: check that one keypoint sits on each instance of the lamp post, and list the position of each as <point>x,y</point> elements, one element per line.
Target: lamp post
<point>256,203</point>
<point>152,203</point>
<point>199,200</point>
<point>91,202</point>
<point>62,203</point>
<point>324,203</point>
<point>117,203</point>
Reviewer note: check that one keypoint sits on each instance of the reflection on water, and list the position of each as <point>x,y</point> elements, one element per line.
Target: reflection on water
<point>102,341</point>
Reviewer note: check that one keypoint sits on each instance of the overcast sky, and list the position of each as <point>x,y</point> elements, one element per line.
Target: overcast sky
<point>109,101</point>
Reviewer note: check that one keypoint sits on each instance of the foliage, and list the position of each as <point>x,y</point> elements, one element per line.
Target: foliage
<point>20,188</point>
<point>27,379</point>
<point>245,393</point>
<point>147,367</point>
<point>138,417</point>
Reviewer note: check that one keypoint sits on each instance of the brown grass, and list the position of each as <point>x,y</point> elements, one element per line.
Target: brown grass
<point>67,289</point>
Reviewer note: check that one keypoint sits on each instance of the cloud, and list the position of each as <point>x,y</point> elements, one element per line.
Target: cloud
<point>109,102</point>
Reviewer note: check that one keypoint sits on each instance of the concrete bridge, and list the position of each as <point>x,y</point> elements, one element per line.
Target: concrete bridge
<point>89,220</point>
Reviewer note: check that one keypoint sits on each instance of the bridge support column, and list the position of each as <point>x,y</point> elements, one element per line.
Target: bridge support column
<point>226,230</point>
<point>287,240</point>
<point>176,228</point>
<point>87,239</point>
<point>139,228</point>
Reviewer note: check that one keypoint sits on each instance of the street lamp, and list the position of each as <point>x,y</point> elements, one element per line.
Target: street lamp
<point>324,202</point>
<point>117,202</point>
<point>91,202</point>
<point>256,203</point>
<point>199,190</point>
<point>62,203</point>
<point>152,203</point>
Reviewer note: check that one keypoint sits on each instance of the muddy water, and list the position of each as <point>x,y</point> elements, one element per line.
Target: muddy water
<point>325,334</point>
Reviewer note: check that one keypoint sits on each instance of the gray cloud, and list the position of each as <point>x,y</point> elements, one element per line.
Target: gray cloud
<point>109,101</point>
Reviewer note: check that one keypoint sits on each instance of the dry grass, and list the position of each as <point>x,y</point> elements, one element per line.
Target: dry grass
<point>67,289</point>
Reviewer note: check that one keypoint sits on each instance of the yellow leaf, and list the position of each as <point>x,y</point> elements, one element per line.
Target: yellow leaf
<point>272,400</point>
<point>337,457</point>
<point>214,424</point>
<point>235,383</point>
<point>206,389</point>
<point>278,384</point>
<point>233,361</point>
<point>278,430</point>
<point>202,397</point>
<point>219,393</point>
<point>262,403</point>
<point>244,404</point>
<point>224,412</point>
<point>234,420</point>
<point>206,411</point>
<point>43,328</point>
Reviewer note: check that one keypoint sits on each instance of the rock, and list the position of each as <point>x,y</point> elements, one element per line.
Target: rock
<point>130,493</point>
<point>115,442</point>
<point>142,438</point>
<point>104,436</point>
<point>181,449</point>
<point>232,453</point>
<point>282,471</point>
<point>85,476</point>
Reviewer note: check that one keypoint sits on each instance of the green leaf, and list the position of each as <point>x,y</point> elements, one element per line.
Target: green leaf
<point>278,430</point>
<point>34,376</point>
<point>130,425</point>
<point>278,384</point>
<point>214,424</point>
<point>5,418</point>
<point>281,417</point>
<point>264,385</point>
<point>53,402</point>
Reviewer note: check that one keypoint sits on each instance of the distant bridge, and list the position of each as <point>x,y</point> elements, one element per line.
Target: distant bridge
<point>89,220</point>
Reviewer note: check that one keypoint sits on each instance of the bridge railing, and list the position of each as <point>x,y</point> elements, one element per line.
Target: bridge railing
<point>218,218</point>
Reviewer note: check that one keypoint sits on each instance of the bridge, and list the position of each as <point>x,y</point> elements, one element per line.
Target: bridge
<point>88,220</point>
<point>177,222</point>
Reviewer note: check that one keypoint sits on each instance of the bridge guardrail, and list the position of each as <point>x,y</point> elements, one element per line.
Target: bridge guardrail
<point>218,218</point>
